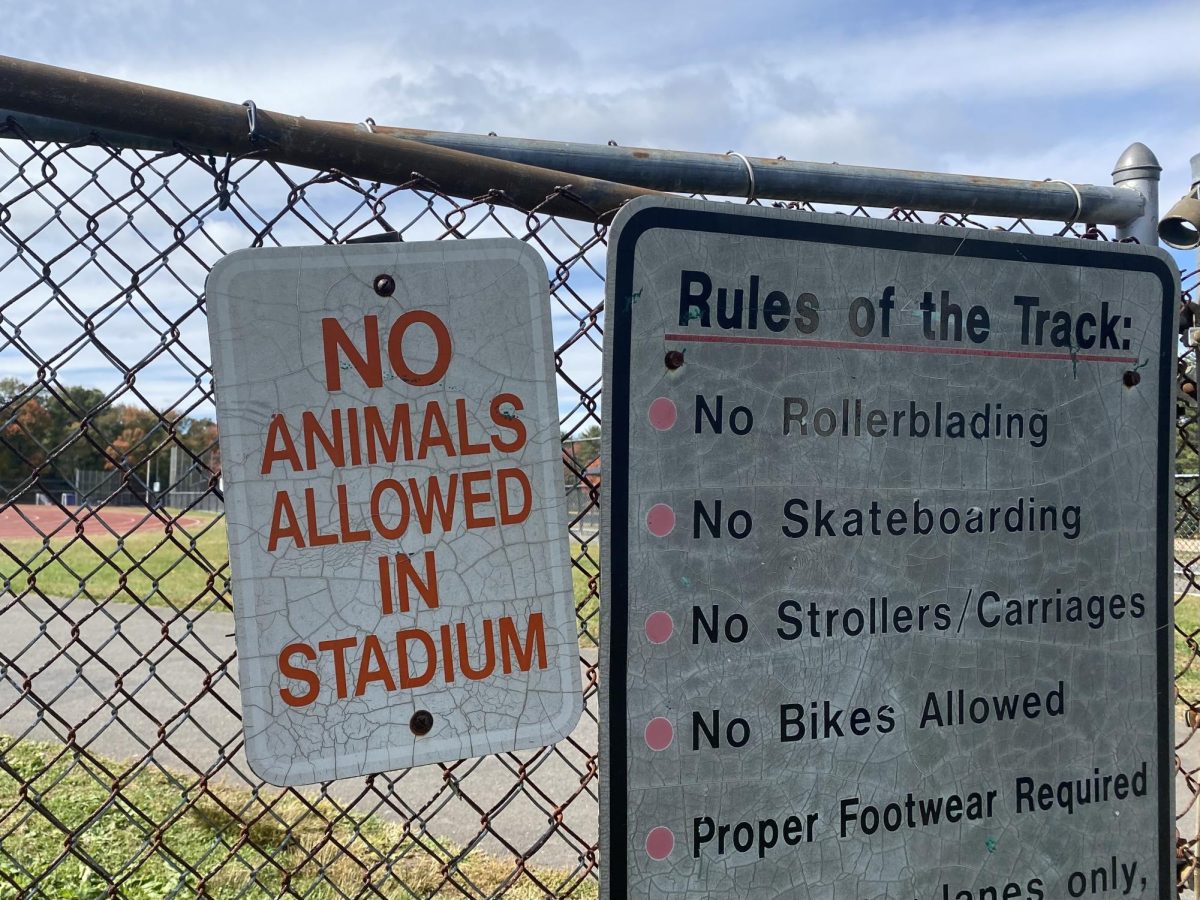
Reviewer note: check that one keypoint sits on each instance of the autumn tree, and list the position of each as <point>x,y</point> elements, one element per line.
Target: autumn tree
<point>65,429</point>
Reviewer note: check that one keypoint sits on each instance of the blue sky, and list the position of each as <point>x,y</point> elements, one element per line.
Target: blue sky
<point>1023,89</point>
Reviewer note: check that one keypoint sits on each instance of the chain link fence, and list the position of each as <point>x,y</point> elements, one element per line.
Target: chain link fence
<point>121,765</point>
<point>1187,594</point>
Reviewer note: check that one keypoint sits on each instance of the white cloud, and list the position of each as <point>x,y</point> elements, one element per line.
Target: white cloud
<point>1091,50</point>
<point>863,83</point>
<point>1028,90</point>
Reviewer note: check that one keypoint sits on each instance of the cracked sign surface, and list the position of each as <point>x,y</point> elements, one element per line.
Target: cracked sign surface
<point>393,490</point>
<point>886,558</point>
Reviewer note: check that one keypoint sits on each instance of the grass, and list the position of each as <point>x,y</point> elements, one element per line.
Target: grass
<point>1187,657</point>
<point>1187,633</point>
<point>66,833</point>
<point>157,569</point>
<point>585,583</point>
<point>190,567</point>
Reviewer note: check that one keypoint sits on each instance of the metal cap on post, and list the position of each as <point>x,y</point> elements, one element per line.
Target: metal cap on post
<point>1180,227</point>
<point>1138,170</point>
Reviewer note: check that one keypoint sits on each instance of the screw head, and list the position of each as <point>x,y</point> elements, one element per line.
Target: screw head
<point>674,359</point>
<point>421,722</point>
<point>1131,378</point>
<point>385,285</point>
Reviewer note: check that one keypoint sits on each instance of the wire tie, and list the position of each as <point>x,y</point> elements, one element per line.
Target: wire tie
<point>752,193</point>
<point>1078,198</point>
<point>252,118</point>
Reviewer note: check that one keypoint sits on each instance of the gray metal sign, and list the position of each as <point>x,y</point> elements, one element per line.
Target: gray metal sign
<point>393,486</point>
<point>886,543</point>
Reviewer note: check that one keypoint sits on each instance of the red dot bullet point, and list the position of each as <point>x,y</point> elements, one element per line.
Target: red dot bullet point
<point>659,627</point>
<point>660,521</point>
<point>663,414</point>
<point>659,733</point>
<point>660,842</point>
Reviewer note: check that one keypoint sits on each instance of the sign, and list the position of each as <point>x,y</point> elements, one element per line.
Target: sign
<point>886,546</point>
<point>393,490</point>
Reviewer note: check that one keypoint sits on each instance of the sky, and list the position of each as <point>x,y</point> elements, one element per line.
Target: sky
<point>1024,89</point>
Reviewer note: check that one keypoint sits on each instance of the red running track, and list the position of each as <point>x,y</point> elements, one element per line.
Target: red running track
<point>27,521</point>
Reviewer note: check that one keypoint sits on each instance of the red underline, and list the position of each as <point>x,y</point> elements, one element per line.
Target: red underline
<point>893,348</point>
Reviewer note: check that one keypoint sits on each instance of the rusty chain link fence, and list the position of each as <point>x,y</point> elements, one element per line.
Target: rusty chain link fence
<point>1187,594</point>
<point>121,765</point>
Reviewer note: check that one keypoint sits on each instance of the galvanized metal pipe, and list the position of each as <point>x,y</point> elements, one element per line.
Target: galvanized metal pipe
<point>775,179</point>
<point>645,169</point>
<point>1180,227</point>
<point>1138,170</point>
<point>43,128</point>
<point>209,125</point>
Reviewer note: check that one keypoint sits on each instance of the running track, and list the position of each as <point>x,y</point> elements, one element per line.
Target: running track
<point>28,521</point>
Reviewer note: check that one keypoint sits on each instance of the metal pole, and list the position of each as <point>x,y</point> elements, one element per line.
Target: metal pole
<point>49,102</point>
<point>1196,192</point>
<point>174,472</point>
<point>778,179</point>
<point>216,126</point>
<point>715,174</point>
<point>1179,226</point>
<point>44,128</point>
<point>1137,171</point>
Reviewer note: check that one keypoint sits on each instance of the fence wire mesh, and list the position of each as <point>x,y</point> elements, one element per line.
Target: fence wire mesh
<point>121,765</point>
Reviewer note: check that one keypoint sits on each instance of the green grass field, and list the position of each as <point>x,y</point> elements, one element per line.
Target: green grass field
<point>240,844</point>
<point>1187,649</point>
<point>188,569</point>
<point>585,581</point>
<point>191,565</point>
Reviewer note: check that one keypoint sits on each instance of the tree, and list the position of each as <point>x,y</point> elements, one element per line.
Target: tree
<point>200,438</point>
<point>584,446</point>
<point>65,429</point>
<point>26,432</point>
<point>129,429</point>
<point>74,446</point>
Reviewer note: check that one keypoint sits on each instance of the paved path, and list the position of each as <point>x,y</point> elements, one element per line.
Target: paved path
<point>161,669</point>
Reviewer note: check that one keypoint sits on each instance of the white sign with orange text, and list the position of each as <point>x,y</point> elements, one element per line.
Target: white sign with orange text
<point>390,452</point>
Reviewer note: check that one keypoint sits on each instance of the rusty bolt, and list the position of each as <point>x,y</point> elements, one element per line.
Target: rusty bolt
<point>674,359</point>
<point>421,722</point>
<point>1131,378</point>
<point>385,285</point>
